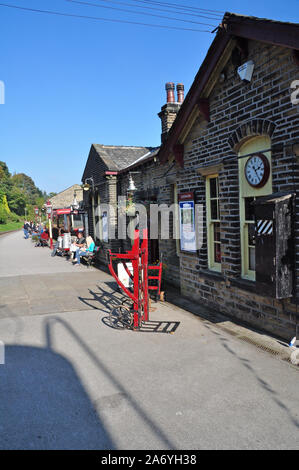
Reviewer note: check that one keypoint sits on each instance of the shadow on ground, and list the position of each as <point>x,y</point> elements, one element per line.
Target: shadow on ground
<point>106,298</point>
<point>43,404</point>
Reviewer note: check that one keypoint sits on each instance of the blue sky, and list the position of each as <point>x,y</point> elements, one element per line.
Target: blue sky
<point>70,82</point>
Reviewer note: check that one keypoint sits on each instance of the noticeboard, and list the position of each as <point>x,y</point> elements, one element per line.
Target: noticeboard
<point>105,227</point>
<point>187,222</point>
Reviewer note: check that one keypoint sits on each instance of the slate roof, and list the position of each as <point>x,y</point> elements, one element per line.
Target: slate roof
<point>119,157</point>
<point>141,160</point>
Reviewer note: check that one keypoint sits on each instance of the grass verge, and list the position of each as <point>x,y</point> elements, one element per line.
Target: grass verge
<point>10,226</point>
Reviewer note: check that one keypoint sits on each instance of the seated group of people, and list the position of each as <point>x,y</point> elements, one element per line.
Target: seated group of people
<point>36,230</point>
<point>82,247</point>
<point>79,247</point>
<point>29,228</point>
<point>43,238</point>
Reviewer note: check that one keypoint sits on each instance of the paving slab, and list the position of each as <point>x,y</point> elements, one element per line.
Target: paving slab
<point>184,381</point>
<point>75,382</point>
<point>21,257</point>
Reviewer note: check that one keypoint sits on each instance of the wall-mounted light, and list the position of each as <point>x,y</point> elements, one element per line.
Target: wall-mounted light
<point>222,76</point>
<point>245,71</point>
<point>132,188</point>
<point>86,186</point>
<point>75,203</point>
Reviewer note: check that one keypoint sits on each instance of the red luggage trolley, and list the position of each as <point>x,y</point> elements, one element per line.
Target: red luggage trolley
<point>122,315</point>
<point>157,277</point>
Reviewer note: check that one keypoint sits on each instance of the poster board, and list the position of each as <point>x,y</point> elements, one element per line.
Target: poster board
<point>105,227</point>
<point>187,222</point>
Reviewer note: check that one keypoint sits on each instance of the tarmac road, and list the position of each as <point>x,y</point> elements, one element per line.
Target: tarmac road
<point>71,382</point>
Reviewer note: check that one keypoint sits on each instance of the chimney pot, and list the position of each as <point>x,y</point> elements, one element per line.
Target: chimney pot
<point>180,92</point>
<point>170,92</point>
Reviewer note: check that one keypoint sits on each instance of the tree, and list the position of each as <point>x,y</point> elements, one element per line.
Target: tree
<point>17,200</point>
<point>4,172</point>
<point>18,191</point>
<point>4,210</point>
<point>5,180</point>
<point>26,184</point>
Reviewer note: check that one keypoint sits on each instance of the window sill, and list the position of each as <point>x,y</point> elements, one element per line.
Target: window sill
<point>209,274</point>
<point>191,253</point>
<point>244,284</point>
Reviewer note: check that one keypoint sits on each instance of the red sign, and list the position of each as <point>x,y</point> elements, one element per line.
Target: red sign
<point>186,196</point>
<point>63,211</point>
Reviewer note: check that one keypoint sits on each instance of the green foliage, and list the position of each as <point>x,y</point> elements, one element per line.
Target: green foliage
<point>4,172</point>
<point>5,204</point>
<point>4,210</point>
<point>17,200</point>
<point>5,180</point>
<point>15,218</point>
<point>3,215</point>
<point>27,186</point>
<point>17,193</point>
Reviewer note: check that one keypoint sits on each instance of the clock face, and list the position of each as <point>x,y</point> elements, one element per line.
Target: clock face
<point>257,170</point>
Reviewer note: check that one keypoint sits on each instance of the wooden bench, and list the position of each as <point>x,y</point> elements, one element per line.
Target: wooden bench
<point>91,256</point>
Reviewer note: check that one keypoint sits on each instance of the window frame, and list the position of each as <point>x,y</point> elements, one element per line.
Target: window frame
<point>247,273</point>
<point>98,225</point>
<point>212,264</point>
<point>253,145</point>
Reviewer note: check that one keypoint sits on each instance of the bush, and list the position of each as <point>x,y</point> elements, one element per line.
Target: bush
<point>3,215</point>
<point>14,217</point>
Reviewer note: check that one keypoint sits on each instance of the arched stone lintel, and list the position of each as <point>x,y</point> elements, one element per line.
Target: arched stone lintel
<point>250,129</point>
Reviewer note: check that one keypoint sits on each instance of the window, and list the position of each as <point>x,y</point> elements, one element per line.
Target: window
<point>247,195</point>
<point>249,237</point>
<point>176,219</point>
<point>213,223</point>
<point>77,221</point>
<point>93,206</point>
<point>98,219</point>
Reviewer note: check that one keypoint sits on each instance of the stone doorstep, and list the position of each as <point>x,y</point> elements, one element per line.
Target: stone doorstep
<point>258,339</point>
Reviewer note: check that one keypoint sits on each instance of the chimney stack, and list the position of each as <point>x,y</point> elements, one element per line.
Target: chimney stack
<point>170,109</point>
<point>169,87</point>
<point>180,92</point>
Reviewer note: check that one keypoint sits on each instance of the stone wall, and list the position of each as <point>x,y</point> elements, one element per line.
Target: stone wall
<point>239,111</point>
<point>154,186</point>
<point>105,187</point>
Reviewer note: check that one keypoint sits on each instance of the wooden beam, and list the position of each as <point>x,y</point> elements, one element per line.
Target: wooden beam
<point>272,32</point>
<point>242,45</point>
<point>204,108</point>
<point>296,56</point>
<point>178,150</point>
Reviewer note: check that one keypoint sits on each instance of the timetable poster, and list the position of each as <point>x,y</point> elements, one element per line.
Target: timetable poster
<point>187,226</point>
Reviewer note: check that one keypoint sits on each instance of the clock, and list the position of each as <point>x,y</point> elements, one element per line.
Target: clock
<point>257,170</point>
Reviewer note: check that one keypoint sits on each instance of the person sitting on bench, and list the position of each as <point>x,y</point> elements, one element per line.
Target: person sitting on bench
<point>90,246</point>
<point>78,242</point>
<point>43,239</point>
